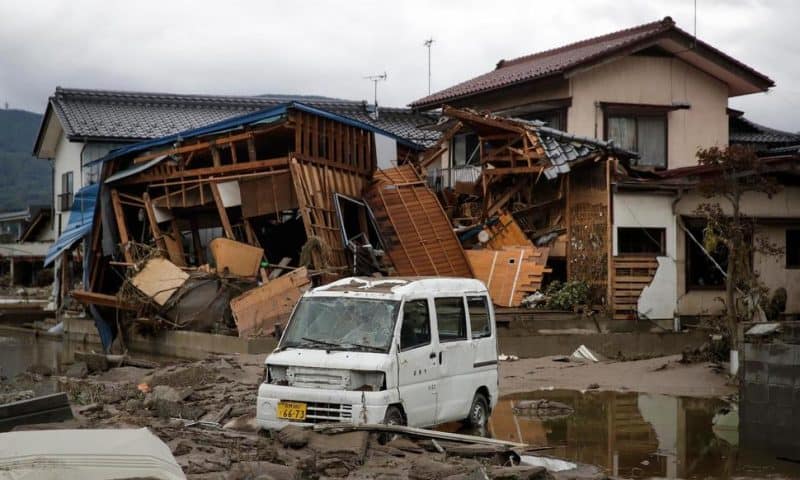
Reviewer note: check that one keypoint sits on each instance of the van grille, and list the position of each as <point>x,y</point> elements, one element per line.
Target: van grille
<point>317,412</point>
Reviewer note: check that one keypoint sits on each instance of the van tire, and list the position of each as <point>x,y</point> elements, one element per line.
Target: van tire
<point>394,416</point>
<point>478,415</point>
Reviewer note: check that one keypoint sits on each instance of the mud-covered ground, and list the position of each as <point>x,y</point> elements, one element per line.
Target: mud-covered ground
<point>204,411</point>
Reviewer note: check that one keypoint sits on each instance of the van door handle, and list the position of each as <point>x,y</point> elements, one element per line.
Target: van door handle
<point>440,358</point>
<point>432,355</point>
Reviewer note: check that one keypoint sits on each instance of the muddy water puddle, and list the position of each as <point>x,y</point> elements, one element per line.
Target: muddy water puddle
<point>636,435</point>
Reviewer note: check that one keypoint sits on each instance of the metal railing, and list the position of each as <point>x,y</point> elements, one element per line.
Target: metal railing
<point>442,178</point>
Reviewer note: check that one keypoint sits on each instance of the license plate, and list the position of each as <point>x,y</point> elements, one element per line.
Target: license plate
<point>292,410</point>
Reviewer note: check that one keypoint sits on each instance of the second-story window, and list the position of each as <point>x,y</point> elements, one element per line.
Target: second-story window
<point>645,134</point>
<point>65,198</point>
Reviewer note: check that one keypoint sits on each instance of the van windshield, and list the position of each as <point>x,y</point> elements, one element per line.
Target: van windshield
<point>342,323</point>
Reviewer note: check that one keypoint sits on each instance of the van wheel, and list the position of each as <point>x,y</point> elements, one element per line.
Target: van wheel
<point>393,416</point>
<point>479,412</point>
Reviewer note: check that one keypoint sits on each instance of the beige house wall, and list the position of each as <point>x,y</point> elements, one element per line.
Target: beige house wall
<point>654,81</point>
<point>773,214</point>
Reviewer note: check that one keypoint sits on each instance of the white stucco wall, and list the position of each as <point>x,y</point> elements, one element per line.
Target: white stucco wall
<point>67,159</point>
<point>654,81</point>
<point>657,301</point>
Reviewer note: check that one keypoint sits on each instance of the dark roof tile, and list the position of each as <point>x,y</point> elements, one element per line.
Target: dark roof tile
<point>138,116</point>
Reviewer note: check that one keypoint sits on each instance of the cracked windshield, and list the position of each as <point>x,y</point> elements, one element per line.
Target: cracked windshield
<point>339,323</point>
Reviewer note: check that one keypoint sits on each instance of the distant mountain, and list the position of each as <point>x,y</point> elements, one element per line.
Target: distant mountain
<point>24,179</point>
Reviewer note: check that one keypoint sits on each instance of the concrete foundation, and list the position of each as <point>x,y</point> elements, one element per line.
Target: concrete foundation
<point>770,392</point>
<point>628,345</point>
<point>181,344</point>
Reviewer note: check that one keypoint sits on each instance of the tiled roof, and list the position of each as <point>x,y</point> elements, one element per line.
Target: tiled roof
<point>138,116</point>
<point>559,60</point>
<point>742,130</point>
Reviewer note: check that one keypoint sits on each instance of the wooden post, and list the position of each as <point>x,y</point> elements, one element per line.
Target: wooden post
<point>123,230</point>
<point>215,156</point>
<point>151,217</point>
<point>198,245</point>
<point>223,214</point>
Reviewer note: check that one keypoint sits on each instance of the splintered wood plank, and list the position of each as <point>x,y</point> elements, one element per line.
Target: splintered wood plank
<point>506,233</point>
<point>257,311</point>
<point>159,279</point>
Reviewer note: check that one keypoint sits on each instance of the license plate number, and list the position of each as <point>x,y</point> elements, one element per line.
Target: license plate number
<point>292,410</point>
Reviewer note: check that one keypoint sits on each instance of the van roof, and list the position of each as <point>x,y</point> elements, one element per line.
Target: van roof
<point>399,287</point>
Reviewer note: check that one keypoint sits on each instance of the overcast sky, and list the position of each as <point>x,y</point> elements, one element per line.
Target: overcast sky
<point>326,48</point>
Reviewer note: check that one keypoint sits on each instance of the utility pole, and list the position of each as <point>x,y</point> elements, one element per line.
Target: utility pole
<point>428,43</point>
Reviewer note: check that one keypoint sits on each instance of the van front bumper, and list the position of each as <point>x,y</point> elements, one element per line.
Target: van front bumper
<point>322,406</point>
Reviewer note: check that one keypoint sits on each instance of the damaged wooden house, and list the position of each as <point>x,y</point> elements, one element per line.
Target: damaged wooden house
<point>221,228</point>
<point>653,89</point>
<point>531,201</point>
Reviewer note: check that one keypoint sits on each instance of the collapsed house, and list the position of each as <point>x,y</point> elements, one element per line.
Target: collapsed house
<point>190,222</point>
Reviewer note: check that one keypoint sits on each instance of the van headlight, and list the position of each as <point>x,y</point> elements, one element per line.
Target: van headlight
<point>367,381</point>
<point>276,375</point>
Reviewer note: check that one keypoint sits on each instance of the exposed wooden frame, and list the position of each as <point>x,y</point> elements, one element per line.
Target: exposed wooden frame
<point>223,214</point>
<point>121,227</point>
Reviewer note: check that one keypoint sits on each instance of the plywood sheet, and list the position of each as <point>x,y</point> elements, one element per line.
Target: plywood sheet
<point>262,196</point>
<point>418,235</point>
<point>511,273</point>
<point>238,258</point>
<point>257,311</point>
<point>159,279</point>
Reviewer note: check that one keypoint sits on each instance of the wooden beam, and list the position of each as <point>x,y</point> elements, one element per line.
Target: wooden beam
<point>101,299</point>
<point>121,227</point>
<point>204,145</point>
<point>151,218</point>
<point>206,171</point>
<point>493,172</point>
<point>223,214</point>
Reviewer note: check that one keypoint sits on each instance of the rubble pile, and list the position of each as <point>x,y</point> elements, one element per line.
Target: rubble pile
<point>205,412</point>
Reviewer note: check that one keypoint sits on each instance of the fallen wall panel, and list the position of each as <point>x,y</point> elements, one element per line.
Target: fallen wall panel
<point>257,311</point>
<point>511,273</point>
<point>417,232</point>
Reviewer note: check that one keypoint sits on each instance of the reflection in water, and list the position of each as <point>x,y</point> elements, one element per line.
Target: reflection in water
<point>636,435</point>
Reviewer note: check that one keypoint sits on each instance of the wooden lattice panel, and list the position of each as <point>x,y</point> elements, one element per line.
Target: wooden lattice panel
<point>631,275</point>
<point>418,236</point>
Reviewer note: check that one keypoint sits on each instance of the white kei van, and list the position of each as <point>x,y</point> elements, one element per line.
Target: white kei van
<point>410,351</point>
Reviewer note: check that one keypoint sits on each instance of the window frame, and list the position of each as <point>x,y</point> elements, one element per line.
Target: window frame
<point>795,230</point>
<point>465,323</point>
<point>487,306</point>
<point>636,111</point>
<point>430,325</point>
<point>663,244</point>
<point>689,243</point>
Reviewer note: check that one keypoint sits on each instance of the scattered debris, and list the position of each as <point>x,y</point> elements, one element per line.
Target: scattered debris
<point>235,258</point>
<point>159,279</point>
<point>542,409</point>
<point>44,409</point>
<point>584,353</point>
<point>507,358</point>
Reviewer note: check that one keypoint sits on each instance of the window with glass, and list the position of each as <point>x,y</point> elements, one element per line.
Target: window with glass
<point>701,273</point>
<point>416,328</point>
<point>451,319</point>
<point>641,241</point>
<point>67,186</point>
<point>479,322</point>
<point>645,134</point>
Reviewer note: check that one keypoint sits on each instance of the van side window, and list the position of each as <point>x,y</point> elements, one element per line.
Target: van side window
<point>479,317</point>
<point>451,319</point>
<point>416,328</point>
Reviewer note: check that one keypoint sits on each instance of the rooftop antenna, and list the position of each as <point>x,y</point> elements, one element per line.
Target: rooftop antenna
<point>428,43</point>
<point>375,79</point>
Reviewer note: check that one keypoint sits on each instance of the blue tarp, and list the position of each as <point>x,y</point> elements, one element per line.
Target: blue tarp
<point>81,216</point>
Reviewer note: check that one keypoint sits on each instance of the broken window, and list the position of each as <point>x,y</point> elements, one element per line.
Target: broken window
<point>342,323</point>
<point>792,248</point>
<point>416,329</point>
<point>465,150</point>
<point>556,118</point>
<point>451,319</point>
<point>641,241</point>
<point>479,317</point>
<point>701,273</point>
<point>642,133</point>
